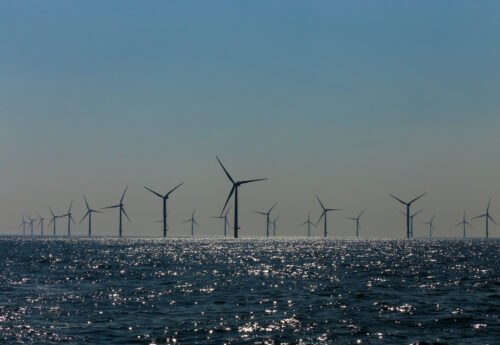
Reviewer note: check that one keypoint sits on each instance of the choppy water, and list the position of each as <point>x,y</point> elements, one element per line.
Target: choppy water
<point>145,291</point>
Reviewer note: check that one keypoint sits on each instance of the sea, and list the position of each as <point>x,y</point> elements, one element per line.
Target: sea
<point>249,291</point>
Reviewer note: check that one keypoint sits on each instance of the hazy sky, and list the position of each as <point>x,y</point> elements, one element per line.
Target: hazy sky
<point>347,100</point>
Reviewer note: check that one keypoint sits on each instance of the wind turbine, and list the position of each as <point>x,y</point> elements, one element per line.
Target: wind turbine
<point>70,218</point>
<point>40,223</point>
<point>309,223</point>
<point>431,225</point>
<point>357,222</point>
<point>487,217</point>
<point>225,220</point>
<point>324,214</point>
<point>234,190</point>
<point>23,224</point>
<point>274,225</point>
<point>164,197</point>
<point>464,223</point>
<point>193,221</point>
<point>31,224</point>
<point>122,210</point>
<point>408,205</point>
<point>89,214</point>
<point>411,220</point>
<point>53,219</point>
<point>267,214</point>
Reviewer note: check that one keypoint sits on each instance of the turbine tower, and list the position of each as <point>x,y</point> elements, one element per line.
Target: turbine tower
<point>70,218</point>
<point>464,223</point>
<point>193,221</point>
<point>357,222</point>
<point>23,225</point>
<point>31,224</point>
<point>431,225</point>
<point>164,198</point>
<point>487,216</point>
<point>53,219</point>
<point>411,220</point>
<point>236,185</point>
<point>122,211</point>
<point>309,223</point>
<point>408,205</point>
<point>89,214</point>
<point>324,214</point>
<point>274,225</point>
<point>226,222</point>
<point>40,223</point>
<point>267,214</point>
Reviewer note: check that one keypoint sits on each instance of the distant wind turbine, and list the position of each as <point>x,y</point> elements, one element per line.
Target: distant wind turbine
<point>89,214</point>
<point>267,214</point>
<point>464,223</point>
<point>309,223</point>
<point>31,224</point>
<point>356,219</point>
<point>408,205</point>
<point>193,221</point>
<point>70,218</point>
<point>226,222</point>
<point>164,198</point>
<point>411,220</point>
<point>40,223</point>
<point>487,216</point>
<point>234,190</point>
<point>324,214</point>
<point>122,211</point>
<point>431,225</point>
<point>23,224</point>
<point>53,219</point>
<point>274,225</point>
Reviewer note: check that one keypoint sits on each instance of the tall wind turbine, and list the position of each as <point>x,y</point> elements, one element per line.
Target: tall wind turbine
<point>487,216</point>
<point>226,222</point>
<point>53,219</point>
<point>70,218</point>
<point>411,220</point>
<point>309,223</point>
<point>324,214</point>
<point>31,224</point>
<point>274,225</point>
<point>234,190</point>
<point>122,211</point>
<point>267,214</point>
<point>464,222</point>
<point>89,214</point>
<point>164,198</point>
<point>408,205</point>
<point>431,225</point>
<point>40,223</point>
<point>23,224</point>
<point>193,221</point>
<point>356,219</point>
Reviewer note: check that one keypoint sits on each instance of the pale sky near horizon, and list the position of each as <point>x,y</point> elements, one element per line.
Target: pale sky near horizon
<point>347,100</point>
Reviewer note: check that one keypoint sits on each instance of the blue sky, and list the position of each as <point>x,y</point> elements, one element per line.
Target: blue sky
<point>348,100</point>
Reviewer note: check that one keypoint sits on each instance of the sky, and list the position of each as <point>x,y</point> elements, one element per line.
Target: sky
<point>346,100</point>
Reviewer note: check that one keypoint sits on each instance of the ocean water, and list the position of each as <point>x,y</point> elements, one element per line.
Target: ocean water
<point>249,291</point>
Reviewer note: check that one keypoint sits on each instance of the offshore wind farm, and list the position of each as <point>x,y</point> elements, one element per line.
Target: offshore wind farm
<point>221,172</point>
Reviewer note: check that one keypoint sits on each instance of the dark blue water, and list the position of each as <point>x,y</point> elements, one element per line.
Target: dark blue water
<point>146,291</point>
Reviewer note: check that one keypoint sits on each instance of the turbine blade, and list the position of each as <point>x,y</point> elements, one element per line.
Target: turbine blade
<point>86,203</point>
<point>488,207</point>
<point>254,180</point>
<point>195,222</point>
<point>272,208</point>
<point>70,204</point>
<point>359,216</point>
<point>351,218</point>
<point>152,191</point>
<point>322,214</point>
<point>469,224</point>
<point>227,200</point>
<point>481,216</point>
<point>322,206</point>
<point>115,206</point>
<point>416,213</point>
<point>398,199</point>
<point>85,216</point>
<point>304,223</point>
<point>187,220</point>
<point>51,212</point>
<point>262,213</point>
<point>227,173</point>
<point>180,184</point>
<point>333,209</point>
<point>125,213</point>
<point>418,197</point>
<point>227,211</point>
<point>123,195</point>
<point>491,218</point>
<point>71,218</point>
